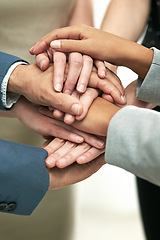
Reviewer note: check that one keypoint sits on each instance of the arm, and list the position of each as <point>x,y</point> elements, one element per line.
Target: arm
<point>82,13</point>
<point>24,80</point>
<point>26,179</point>
<point>133,136</point>
<point>100,45</point>
<point>126,18</point>
<point>21,166</point>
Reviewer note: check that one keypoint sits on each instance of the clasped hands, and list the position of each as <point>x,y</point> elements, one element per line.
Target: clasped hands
<point>71,88</point>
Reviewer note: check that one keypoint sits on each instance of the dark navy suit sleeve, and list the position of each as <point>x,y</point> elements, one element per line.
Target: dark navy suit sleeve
<point>6,60</point>
<point>24,179</point>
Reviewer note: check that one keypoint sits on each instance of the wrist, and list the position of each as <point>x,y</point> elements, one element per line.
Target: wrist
<point>17,79</point>
<point>138,58</point>
<point>98,117</point>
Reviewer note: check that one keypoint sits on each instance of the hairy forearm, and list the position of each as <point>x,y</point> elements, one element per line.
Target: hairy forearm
<point>126,18</point>
<point>82,13</point>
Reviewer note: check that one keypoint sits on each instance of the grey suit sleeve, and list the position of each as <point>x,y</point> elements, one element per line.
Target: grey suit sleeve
<point>148,90</point>
<point>133,142</point>
<point>133,139</point>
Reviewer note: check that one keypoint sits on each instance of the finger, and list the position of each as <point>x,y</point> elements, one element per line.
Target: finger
<point>85,74</point>
<point>101,68</point>
<point>51,148</point>
<point>88,156</point>
<point>70,46</point>
<point>65,103</point>
<point>107,97</point>
<point>62,33</point>
<point>74,173</point>
<point>72,155</point>
<point>59,69</point>
<point>42,61</point>
<point>89,138</point>
<point>86,99</point>
<point>59,153</point>
<point>58,114</point>
<point>59,129</point>
<point>107,87</point>
<point>113,78</point>
<point>92,140</point>
<point>69,118</point>
<point>75,67</point>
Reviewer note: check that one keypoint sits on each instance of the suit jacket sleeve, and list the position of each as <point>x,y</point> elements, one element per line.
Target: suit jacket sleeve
<point>6,60</point>
<point>133,139</point>
<point>24,178</point>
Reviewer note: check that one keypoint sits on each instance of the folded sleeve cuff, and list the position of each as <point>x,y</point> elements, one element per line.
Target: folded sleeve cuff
<point>8,99</point>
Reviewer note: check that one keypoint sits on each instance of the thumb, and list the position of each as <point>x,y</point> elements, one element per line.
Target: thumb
<point>66,103</point>
<point>69,46</point>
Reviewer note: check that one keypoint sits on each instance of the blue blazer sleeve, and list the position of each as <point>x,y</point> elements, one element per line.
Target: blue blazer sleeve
<point>24,179</point>
<point>6,60</point>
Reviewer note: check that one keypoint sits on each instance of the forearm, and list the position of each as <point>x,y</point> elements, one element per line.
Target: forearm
<point>82,13</point>
<point>98,117</point>
<point>126,18</point>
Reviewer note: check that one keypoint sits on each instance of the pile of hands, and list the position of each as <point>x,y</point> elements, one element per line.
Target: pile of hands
<point>64,87</point>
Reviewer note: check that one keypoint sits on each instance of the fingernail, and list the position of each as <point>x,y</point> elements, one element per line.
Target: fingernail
<point>55,44</point>
<point>78,139</point>
<point>103,73</point>
<point>124,99</point>
<point>67,92</point>
<point>81,88</point>
<point>58,87</point>
<point>62,162</point>
<point>50,161</point>
<point>75,109</point>
<point>101,143</point>
<point>41,64</point>
<point>31,49</point>
<point>81,159</point>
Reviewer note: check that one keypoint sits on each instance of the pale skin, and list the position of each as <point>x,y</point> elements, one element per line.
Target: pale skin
<point>80,65</point>
<point>29,114</point>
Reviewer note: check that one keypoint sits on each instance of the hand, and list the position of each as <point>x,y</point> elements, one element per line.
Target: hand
<point>130,93</point>
<point>79,70</point>
<point>29,115</point>
<point>86,100</point>
<point>97,119</point>
<point>99,45</point>
<point>37,87</point>
<point>114,90</point>
<point>60,178</point>
<point>63,153</point>
<point>111,86</point>
<point>74,173</point>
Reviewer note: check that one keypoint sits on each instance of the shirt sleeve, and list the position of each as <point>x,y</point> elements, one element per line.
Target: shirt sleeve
<point>8,99</point>
<point>133,142</point>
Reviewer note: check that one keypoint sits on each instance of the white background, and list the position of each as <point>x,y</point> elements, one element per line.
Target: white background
<point>107,206</point>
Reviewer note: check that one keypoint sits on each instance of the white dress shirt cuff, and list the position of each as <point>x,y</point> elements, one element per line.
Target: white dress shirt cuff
<point>8,99</point>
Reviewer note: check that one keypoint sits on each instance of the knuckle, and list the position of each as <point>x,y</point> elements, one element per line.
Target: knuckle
<point>88,59</point>
<point>76,59</point>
